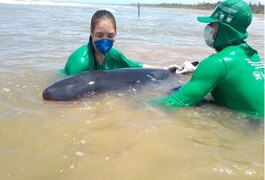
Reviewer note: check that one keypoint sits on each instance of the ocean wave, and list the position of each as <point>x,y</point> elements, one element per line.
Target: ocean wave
<point>47,3</point>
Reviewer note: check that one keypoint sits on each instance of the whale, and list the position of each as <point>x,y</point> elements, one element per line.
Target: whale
<point>76,86</point>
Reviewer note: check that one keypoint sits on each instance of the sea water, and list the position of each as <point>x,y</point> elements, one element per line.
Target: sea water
<point>114,135</point>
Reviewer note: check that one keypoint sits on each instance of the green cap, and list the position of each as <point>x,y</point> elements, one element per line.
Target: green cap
<point>234,13</point>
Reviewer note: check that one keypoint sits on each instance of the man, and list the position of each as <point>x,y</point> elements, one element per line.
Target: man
<point>234,75</point>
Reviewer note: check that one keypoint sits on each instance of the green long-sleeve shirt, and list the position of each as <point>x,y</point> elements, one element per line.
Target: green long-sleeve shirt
<point>234,77</point>
<point>83,60</point>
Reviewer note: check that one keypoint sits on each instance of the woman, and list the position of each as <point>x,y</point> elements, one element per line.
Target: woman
<point>98,54</point>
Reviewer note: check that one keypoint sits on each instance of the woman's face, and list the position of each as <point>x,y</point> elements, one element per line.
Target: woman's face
<point>104,29</point>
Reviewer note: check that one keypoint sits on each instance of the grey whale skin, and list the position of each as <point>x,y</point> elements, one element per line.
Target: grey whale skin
<point>74,87</point>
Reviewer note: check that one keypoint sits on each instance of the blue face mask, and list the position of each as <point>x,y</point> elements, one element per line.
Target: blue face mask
<point>104,45</point>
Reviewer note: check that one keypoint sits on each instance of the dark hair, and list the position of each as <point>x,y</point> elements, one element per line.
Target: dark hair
<point>100,15</point>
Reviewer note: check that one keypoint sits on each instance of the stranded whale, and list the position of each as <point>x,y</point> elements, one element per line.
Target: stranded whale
<point>76,86</point>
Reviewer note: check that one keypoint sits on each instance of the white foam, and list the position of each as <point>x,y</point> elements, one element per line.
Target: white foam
<point>79,153</point>
<point>46,3</point>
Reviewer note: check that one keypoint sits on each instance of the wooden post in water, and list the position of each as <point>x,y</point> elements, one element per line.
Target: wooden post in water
<point>138,4</point>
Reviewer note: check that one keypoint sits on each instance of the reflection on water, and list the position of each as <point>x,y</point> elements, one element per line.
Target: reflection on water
<point>114,135</point>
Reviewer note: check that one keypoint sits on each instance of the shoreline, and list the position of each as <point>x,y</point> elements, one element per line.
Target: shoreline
<point>185,9</point>
<point>154,6</point>
<point>206,12</point>
<point>199,7</point>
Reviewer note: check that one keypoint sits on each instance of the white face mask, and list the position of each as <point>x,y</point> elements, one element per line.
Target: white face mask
<point>208,35</point>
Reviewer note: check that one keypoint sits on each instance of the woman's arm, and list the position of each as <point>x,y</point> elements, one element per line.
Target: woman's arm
<point>77,61</point>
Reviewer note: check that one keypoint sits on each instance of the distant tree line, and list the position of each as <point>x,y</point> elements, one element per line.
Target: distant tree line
<point>256,8</point>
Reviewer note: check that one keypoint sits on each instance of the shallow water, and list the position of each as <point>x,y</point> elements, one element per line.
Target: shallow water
<point>114,135</point>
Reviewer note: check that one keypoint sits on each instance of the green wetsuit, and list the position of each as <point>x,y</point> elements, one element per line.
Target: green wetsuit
<point>83,60</point>
<point>234,76</point>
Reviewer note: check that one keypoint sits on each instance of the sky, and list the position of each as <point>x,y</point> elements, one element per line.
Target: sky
<point>157,1</point>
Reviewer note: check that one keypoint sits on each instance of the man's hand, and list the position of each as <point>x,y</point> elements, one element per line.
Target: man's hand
<point>186,67</point>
